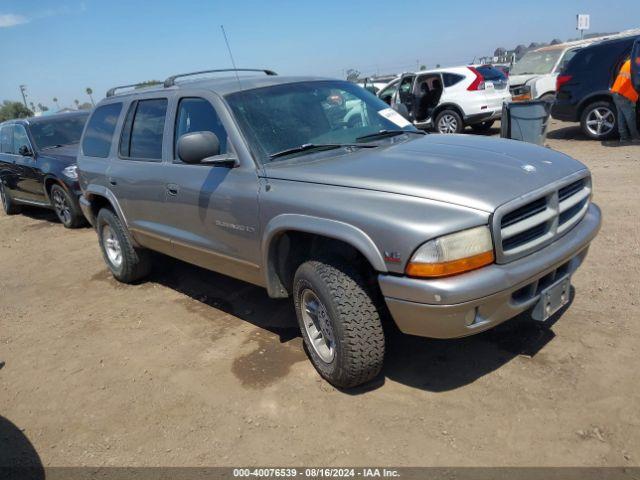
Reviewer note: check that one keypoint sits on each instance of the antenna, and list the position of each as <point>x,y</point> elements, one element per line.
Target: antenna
<point>233,62</point>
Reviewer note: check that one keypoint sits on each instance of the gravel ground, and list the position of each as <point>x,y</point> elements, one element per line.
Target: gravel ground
<point>193,368</point>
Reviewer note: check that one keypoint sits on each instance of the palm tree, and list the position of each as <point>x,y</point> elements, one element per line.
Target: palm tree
<point>89,92</point>
<point>55,100</point>
<point>77,102</point>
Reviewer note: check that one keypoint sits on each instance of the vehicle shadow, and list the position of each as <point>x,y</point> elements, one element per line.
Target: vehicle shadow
<point>428,364</point>
<point>573,132</point>
<point>37,213</point>
<point>18,457</point>
<point>234,297</point>
<point>442,365</point>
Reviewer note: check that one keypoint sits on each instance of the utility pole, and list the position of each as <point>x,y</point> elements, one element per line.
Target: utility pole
<point>23,88</point>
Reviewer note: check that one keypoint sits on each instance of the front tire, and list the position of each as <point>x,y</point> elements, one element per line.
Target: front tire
<point>127,264</point>
<point>8,205</point>
<point>449,121</point>
<point>67,211</point>
<point>599,120</point>
<point>340,323</point>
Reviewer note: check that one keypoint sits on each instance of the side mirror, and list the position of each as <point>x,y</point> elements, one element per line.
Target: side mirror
<point>198,146</point>
<point>635,65</point>
<point>402,109</point>
<point>25,151</point>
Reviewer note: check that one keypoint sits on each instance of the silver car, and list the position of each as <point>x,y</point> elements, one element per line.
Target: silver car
<point>315,189</point>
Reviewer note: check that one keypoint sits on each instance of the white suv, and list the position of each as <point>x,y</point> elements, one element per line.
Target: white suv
<point>449,99</point>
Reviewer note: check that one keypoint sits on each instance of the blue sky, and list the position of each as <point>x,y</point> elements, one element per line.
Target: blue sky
<point>58,48</point>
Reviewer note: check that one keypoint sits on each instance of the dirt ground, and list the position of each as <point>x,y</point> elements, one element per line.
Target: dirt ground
<point>193,368</point>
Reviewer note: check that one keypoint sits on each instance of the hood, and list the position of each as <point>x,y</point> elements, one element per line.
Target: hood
<point>66,153</point>
<point>472,171</point>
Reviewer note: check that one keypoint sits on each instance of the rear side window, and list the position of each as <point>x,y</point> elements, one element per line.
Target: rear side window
<point>198,115</point>
<point>6,139</point>
<point>147,128</point>
<point>97,138</point>
<point>450,79</point>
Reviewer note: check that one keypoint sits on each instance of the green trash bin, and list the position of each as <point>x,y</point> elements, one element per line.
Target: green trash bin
<point>526,121</point>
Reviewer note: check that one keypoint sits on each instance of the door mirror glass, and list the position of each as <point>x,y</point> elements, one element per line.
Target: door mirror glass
<point>25,151</point>
<point>198,146</point>
<point>635,66</point>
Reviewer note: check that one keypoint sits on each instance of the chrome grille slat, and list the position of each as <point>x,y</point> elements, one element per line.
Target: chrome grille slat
<point>528,223</point>
<point>534,221</point>
<point>574,199</point>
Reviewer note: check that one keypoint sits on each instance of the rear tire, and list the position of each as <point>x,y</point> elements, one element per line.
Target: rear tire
<point>8,205</point>
<point>482,127</point>
<point>67,211</point>
<point>127,264</point>
<point>340,323</point>
<point>449,121</point>
<point>599,120</point>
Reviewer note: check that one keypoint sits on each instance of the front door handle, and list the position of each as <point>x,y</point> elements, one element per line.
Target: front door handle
<point>172,189</point>
<point>113,182</point>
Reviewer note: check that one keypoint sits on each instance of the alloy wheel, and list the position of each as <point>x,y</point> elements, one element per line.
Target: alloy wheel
<point>318,326</point>
<point>112,246</point>
<point>601,121</point>
<point>448,124</point>
<point>62,208</point>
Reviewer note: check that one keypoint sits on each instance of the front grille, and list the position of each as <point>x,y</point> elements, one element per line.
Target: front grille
<point>526,226</point>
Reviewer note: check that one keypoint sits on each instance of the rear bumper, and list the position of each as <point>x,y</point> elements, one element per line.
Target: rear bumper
<point>564,111</point>
<point>85,206</point>
<point>466,304</point>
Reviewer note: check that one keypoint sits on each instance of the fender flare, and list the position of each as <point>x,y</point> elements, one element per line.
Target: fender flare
<point>319,226</point>
<point>585,102</point>
<point>444,106</point>
<point>101,191</point>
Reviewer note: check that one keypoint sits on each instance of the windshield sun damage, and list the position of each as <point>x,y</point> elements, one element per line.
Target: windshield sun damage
<point>536,63</point>
<point>287,117</point>
<point>59,131</point>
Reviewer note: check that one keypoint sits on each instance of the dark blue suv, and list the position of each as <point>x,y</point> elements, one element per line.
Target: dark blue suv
<point>583,86</point>
<point>38,165</point>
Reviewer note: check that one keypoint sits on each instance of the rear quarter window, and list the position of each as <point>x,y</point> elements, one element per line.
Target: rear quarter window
<point>100,129</point>
<point>450,79</point>
<point>6,139</point>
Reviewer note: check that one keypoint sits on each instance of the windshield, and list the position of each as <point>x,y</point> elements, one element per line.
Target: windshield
<point>58,131</point>
<point>283,117</point>
<point>536,63</point>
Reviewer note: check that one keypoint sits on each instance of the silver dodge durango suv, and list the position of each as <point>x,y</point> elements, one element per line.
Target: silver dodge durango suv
<point>314,188</point>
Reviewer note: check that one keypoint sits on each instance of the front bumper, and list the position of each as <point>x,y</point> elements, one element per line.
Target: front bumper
<point>466,304</point>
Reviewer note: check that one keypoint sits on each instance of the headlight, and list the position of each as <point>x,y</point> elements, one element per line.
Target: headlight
<point>452,254</point>
<point>71,172</point>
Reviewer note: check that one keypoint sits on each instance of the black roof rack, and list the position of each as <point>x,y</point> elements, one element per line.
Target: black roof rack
<point>171,81</point>
<point>112,91</point>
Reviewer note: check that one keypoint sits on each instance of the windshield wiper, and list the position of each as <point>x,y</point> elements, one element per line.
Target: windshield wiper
<point>309,147</point>
<point>388,133</point>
